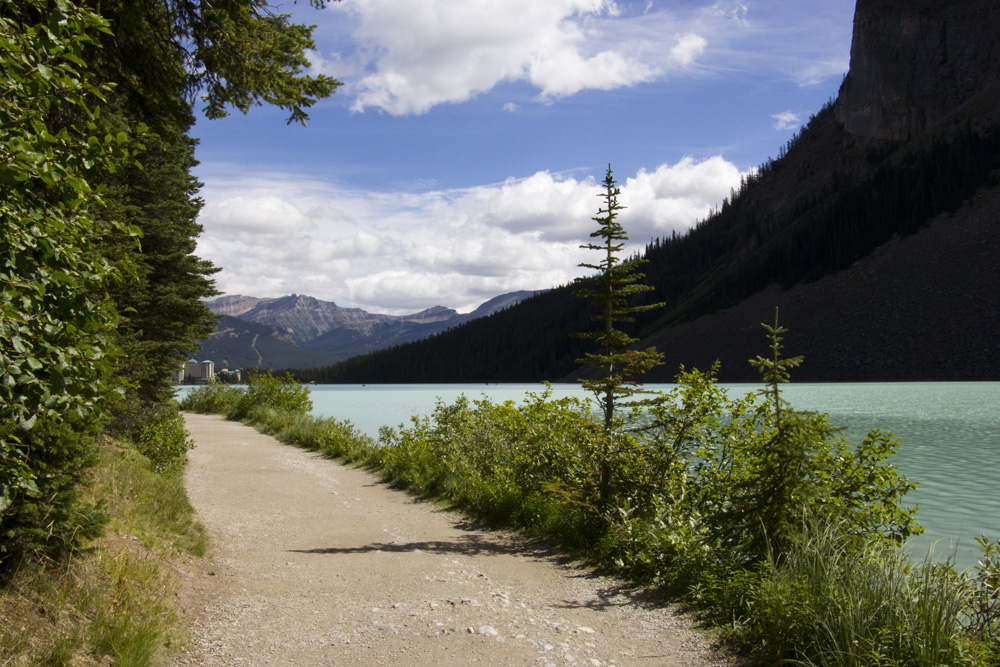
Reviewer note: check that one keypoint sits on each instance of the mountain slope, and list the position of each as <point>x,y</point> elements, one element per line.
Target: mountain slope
<point>241,344</point>
<point>875,231</point>
<point>924,307</point>
<point>304,332</point>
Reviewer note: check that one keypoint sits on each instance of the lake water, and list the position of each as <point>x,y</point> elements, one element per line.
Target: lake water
<point>950,433</point>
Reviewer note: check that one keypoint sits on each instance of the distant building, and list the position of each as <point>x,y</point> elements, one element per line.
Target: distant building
<point>199,372</point>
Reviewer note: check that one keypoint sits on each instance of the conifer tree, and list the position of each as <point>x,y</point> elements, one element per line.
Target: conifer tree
<point>616,282</point>
<point>99,287</point>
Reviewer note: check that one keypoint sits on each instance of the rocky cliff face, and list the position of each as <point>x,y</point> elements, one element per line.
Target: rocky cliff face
<point>915,62</point>
<point>234,305</point>
<point>307,318</point>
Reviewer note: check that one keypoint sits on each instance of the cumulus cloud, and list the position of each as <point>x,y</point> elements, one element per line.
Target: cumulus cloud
<point>688,48</point>
<point>402,252</point>
<point>441,51</point>
<point>674,197</point>
<point>406,61</point>
<point>266,214</point>
<point>786,120</point>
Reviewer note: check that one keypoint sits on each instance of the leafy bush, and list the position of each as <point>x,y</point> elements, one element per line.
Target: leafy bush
<point>163,440</point>
<point>212,399</point>
<point>263,393</point>
<point>532,465</point>
<point>56,322</point>
<point>50,519</point>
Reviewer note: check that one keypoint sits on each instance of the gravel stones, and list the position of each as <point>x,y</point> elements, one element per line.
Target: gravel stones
<point>301,579</point>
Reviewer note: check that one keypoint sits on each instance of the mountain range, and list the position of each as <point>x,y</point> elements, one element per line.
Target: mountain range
<point>299,331</point>
<point>875,233</point>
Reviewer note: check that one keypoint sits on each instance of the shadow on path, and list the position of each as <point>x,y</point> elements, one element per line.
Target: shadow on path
<point>616,595</point>
<point>467,545</point>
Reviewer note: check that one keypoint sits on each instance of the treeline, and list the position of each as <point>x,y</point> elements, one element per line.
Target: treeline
<point>100,292</point>
<point>738,252</point>
<point>854,205</point>
<point>527,341</point>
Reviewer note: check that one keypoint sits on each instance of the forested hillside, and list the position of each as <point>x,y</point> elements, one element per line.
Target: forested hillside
<point>101,292</point>
<point>845,188</point>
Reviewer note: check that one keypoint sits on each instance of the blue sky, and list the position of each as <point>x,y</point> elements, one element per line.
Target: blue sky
<point>463,155</point>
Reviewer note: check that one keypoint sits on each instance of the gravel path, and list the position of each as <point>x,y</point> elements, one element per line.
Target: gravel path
<point>315,563</point>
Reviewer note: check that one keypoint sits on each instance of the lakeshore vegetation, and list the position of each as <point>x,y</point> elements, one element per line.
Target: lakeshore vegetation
<point>764,519</point>
<point>101,299</point>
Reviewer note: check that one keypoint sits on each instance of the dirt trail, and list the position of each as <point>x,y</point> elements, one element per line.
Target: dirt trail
<point>315,563</point>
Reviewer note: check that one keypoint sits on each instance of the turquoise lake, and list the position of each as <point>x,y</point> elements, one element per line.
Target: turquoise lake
<point>949,432</point>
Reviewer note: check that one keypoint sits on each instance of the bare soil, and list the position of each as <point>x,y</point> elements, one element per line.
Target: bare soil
<point>315,563</point>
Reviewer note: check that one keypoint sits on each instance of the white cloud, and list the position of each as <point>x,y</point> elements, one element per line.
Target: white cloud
<point>738,12</point>
<point>265,214</point>
<point>687,49</point>
<point>786,120</point>
<point>550,208</point>
<point>405,251</point>
<point>441,51</point>
<point>675,197</point>
<point>567,72</point>
<point>408,60</point>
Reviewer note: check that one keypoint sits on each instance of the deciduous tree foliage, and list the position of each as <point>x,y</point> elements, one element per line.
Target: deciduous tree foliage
<point>100,287</point>
<point>57,322</point>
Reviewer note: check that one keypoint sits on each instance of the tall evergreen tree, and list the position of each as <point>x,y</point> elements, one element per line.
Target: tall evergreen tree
<point>616,282</point>
<point>160,56</point>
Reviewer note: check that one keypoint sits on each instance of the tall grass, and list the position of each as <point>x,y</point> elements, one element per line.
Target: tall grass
<point>111,602</point>
<point>840,601</point>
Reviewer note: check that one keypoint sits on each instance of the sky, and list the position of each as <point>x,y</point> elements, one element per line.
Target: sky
<point>463,156</point>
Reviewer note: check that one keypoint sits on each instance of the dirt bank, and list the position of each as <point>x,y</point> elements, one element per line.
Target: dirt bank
<point>314,563</point>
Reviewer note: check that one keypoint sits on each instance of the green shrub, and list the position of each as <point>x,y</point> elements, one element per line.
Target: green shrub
<point>217,399</point>
<point>52,518</point>
<point>163,440</point>
<point>263,394</point>
<point>264,391</point>
<point>984,614</point>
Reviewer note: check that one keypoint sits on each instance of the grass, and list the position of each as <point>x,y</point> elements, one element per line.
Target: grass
<point>111,602</point>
